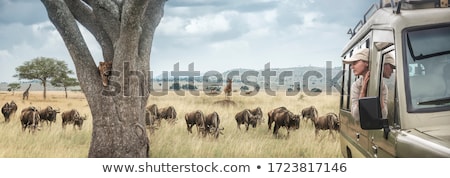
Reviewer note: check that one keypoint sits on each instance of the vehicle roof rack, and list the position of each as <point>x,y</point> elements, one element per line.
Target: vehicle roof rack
<point>360,23</point>
<point>414,4</point>
<point>397,6</point>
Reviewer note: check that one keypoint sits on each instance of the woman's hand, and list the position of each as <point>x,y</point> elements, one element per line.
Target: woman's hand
<point>365,82</point>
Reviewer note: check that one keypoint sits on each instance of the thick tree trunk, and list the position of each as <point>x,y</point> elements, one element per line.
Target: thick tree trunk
<point>44,83</point>
<point>119,130</point>
<point>118,109</point>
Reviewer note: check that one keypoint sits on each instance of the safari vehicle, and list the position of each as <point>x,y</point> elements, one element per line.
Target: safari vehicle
<point>417,123</point>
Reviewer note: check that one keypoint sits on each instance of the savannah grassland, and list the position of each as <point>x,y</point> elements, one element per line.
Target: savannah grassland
<point>173,141</point>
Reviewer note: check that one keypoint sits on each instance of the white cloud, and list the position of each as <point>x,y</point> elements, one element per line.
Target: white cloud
<point>258,33</point>
<point>260,19</point>
<point>4,54</point>
<point>311,19</point>
<point>171,26</point>
<point>209,24</point>
<point>230,46</point>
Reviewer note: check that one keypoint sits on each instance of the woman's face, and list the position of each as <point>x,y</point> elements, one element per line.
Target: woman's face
<point>360,67</point>
<point>387,71</point>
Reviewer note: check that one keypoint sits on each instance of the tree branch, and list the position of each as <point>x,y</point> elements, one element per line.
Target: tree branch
<point>83,13</point>
<point>130,27</point>
<point>151,19</point>
<point>107,15</point>
<point>60,15</point>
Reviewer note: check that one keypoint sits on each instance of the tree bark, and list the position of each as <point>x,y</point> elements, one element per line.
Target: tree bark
<point>124,30</point>
<point>44,83</point>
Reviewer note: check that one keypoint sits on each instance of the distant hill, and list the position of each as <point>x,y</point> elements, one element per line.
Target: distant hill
<point>284,78</point>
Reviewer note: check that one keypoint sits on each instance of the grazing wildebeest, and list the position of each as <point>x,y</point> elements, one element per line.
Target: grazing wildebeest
<point>13,106</point>
<point>309,113</point>
<point>212,124</point>
<point>168,113</point>
<point>257,112</point>
<point>330,121</point>
<point>196,118</point>
<point>152,115</point>
<point>29,117</point>
<point>285,119</point>
<point>78,122</point>
<point>48,115</point>
<point>245,117</point>
<point>72,117</point>
<point>7,111</point>
<point>270,115</point>
<point>104,69</point>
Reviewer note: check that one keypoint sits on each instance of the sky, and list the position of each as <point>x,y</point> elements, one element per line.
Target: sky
<point>214,35</point>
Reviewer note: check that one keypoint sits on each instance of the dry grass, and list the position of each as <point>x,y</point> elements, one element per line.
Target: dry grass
<point>173,141</point>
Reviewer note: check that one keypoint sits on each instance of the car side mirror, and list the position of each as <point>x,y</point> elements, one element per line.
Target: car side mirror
<point>370,115</point>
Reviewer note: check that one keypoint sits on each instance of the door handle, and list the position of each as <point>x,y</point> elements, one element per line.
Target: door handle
<point>375,149</point>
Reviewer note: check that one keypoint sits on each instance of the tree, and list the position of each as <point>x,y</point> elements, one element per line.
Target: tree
<point>175,86</point>
<point>43,69</point>
<point>64,81</point>
<point>13,87</point>
<point>124,30</point>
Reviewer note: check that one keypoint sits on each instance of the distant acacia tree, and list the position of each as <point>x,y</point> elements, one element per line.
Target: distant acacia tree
<point>13,87</point>
<point>64,81</point>
<point>175,86</point>
<point>43,69</point>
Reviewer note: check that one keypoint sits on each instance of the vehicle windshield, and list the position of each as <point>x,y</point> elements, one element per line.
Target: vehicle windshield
<point>428,69</point>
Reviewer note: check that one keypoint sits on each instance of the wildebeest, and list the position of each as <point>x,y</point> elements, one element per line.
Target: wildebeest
<point>79,122</point>
<point>48,115</point>
<point>196,118</point>
<point>270,115</point>
<point>309,113</point>
<point>330,121</point>
<point>212,124</point>
<point>29,118</point>
<point>168,113</point>
<point>245,117</point>
<point>257,112</point>
<point>152,115</point>
<point>72,117</point>
<point>104,69</point>
<point>7,111</point>
<point>285,119</point>
<point>13,106</point>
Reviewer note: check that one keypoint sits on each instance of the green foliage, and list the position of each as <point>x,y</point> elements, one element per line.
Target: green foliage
<point>13,86</point>
<point>189,87</point>
<point>175,86</point>
<point>64,81</point>
<point>43,69</point>
<point>244,88</point>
